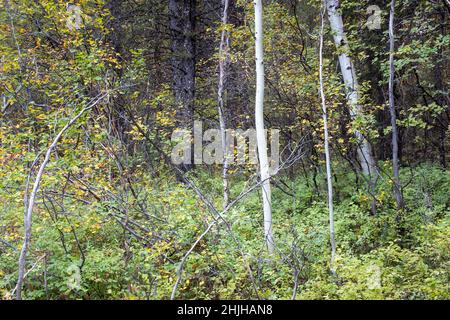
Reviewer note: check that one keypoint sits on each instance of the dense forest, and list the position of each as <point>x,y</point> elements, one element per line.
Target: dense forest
<point>224,149</point>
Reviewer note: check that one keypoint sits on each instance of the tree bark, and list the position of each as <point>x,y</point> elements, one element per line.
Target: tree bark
<point>365,156</point>
<point>224,58</point>
<point>182,31</point>
<point>395,166</point>
<point>259,124</point>
<point>327,149</point>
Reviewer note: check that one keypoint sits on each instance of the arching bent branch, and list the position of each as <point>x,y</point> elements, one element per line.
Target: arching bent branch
<point>30,205</point>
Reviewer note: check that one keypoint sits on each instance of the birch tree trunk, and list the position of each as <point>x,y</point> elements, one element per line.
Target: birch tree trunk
<point>259,123</point>
<point>365,156</point>
<point>327,149</point>
<point>224,59</point>
<point>395,168</point>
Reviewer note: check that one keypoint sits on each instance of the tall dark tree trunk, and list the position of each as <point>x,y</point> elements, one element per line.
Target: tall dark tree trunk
<point>115,6</point>
<point>182,31</point>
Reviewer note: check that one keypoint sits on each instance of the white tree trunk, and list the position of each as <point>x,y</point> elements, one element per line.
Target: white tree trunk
<point>37,181</point>
<point>365,156</point>
<point>259,123</point>
<point>223,64</point>
<point>327,149</point>
<point>395,167</point>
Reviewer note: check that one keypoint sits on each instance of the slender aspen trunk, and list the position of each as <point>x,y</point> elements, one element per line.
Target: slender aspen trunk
<point>259,123</point>
<point>31,200</point>
<point>223,64</point>
<point>327,149</point>
<point>365,156</point>
<point>395,168</point>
